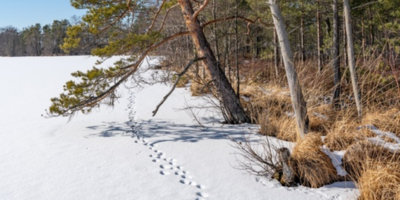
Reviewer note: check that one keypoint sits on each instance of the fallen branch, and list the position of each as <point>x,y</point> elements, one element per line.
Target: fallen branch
<point>176,83</point>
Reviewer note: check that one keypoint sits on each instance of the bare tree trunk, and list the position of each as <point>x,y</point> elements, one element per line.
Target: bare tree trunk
<point>350,50</point>
<point>345,58</point>
<point>302,48</point>
<point>335,56</point>
<point>276,52</point>
<point>299,104</point>
<point>236,54</point>
<point>363,40</point>
<point>232,107</point>
<point>215,33</point>
<point>319,40</point>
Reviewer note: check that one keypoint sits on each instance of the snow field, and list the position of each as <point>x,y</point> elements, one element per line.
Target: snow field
<point>121,152</point>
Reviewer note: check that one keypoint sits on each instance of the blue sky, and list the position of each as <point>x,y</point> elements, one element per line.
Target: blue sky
<point>24,13</point>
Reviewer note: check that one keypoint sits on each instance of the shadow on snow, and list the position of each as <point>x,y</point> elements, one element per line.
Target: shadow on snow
<point>164,131</point>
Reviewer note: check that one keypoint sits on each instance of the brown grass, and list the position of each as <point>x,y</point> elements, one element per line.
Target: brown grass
<point>314,168</point>
<point>321,118</point>
<point>199,88</point>
<point>388,120</point>
<point>363,155</point>
<point>380,182</point>
<point>388,139</point>
<point>269,107</point>
<point>367,132</point>
<point>342,134</point>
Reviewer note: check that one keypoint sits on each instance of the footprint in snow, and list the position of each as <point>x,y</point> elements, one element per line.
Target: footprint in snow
<point>153,145</point>
<point>183,173</point>
<point>156,160</point>
<point>205,195</point>
<point>165,173</point>
<point>165,167</point>
<point>186,182</point>
<point>186,177</point>
<point>201,186</point>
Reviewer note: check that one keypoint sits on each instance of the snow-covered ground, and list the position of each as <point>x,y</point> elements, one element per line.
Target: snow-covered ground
<point>99,156</point>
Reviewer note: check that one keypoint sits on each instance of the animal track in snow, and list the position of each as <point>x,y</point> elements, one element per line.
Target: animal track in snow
<point>184,181</point>
<point>201,186</point>
<point>205,195</point>
<point>166,167</point>
<point>165,173</point>
<point>186,177</point>
<point>169,165</point>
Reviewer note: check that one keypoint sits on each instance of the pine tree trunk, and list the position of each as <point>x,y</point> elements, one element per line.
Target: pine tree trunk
<point>335,56</point>
<point>299,104</point>
<point>234,110</point>
<point>319,40</point>
<point>276,52</point>
<point>350,54</point>
<point>302,48</point>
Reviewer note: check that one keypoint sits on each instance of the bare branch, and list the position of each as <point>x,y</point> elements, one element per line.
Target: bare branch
<point>249,21</point>
<point>365,4</point>
<point>195,14</point>
<point>155,17</point>
<point>176,83</point>
<point>165,17</point>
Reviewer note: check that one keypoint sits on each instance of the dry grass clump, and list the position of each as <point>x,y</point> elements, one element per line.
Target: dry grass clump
<point>313,167</point>
<point>342,134</point>
<point>321,118</point>
<point>267,127</point>
<point>381,182</point>
<point>283,128</point>
<point>271,107</point>
<point>287,128</point>
<point>364,155</point>
<point>367,132</point>
<point>388,120</point>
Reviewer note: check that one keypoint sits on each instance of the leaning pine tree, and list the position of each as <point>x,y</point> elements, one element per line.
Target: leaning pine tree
<point>104,17</point>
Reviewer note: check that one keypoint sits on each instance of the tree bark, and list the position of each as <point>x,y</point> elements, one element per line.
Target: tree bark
<point>319,40</point>
<point>232,107</point>
<point>335,57</point>
<point>350,54</point>
<point>299,104</point>
<point>288,174</point>
<point>276,52</point>
<point>302,48</point>
<point>236,52</point>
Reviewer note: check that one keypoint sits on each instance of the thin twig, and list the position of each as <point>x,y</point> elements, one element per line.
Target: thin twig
<point>176,83</point>
<point>155,17</point>
<point>165,16</point>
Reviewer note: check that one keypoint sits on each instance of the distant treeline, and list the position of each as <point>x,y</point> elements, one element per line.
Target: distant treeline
<point>38,40</point>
